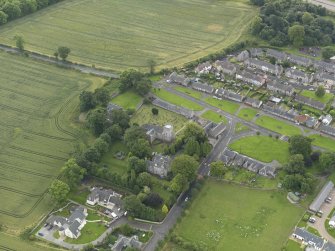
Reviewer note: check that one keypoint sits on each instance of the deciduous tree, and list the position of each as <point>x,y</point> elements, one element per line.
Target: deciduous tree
<point>59,191</point>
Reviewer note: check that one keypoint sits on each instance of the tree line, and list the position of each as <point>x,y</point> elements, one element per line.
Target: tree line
<point>13,9</point>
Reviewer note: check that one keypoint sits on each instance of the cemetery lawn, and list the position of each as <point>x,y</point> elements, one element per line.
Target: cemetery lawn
<point>277,126</point>
<point>127,100</point>
<point>240,218</point>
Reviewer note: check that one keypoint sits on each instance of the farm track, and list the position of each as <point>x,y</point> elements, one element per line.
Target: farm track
<point>6,248</point>
<point>20,192</point>
<point>12,167</point>
<point>37,153</point>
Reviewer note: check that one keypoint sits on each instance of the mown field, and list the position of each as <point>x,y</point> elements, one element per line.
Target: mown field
<point>37,103</point>
<point>240,219</point>
<point>262,148</point>
<point>277,126</point>
<point>126,34</point>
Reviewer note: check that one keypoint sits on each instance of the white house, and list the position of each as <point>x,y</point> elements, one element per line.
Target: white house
<point>104,197</point>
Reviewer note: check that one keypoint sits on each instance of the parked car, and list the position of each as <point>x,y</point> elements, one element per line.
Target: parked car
<point>312,220</point>
<point>50,227</point>
<point>40,234</point>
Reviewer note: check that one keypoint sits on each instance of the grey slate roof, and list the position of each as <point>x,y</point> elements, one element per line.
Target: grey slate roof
<point>323,194</point>
<point>217,130</point>
<point>327,129</point>
<point>279,87</point>
<point>322,65</point>
<point>203,87</point>
<point>229,95</point>
<point>329,246</point>
<point>310,102</point>
<point>255,52</point>
<point>170,107</point>
<point>279,112</point>
<point>276,54</point>
<point>309,238</point>
<point>253,102</point>
<point>178,79</point>
<point>299,60</point>
<point>112,107</point>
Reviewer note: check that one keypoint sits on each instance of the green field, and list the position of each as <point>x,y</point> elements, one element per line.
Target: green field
<point>126,34</point>
<point>311,94</point>
<point>241,128</point>
<point>247,113</point>
<point>145,116</point>
<point>127,100</point>
<point>214,117</point>
<point>189,91</point>
<point>239,219</point>
<point>323,141</point>
<point>38,102</point>
<point>224,105</point>
<point>177,100</point>
<point>277,126</point>
<point>262,148</point>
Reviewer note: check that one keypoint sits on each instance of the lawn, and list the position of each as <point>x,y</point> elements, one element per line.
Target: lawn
<point>214,117</point>
<point>323,141</point>
<point>38,126</point>
<point>79,195</point>
<point>277,126</point>
<point>293,246</point>
<point>90,232</point>
<point>127,100</point>
<point>126,34</point>
<point>311,94</point>
<point>241,128</point>
<point>177,100</point>
<point>262,148</point>
<point>230,217</point>
<point>164,117</point>
<point>189,91</point>
<point>247,113</point>
<point>114,164</point>
<point>224,105</point>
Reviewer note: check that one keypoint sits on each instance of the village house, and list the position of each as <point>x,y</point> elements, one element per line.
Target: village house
<point>174,78</point>
<point>326,119</point>
<point>250,78</point>
<point>253,102</point>
<point>124,242</point>
<point>308,239</point>
<point>159,165</point>
<point>70,227</point>
<point>311,122</point>
<point>278,55</point>
<point>264,66</point>
<point>104,197</point>
<point>256,52</point>
<point>276,86</point>
<point>322,196</point>
<point>327,130</point>
<point>324,66</point>
<point>216,130</point>
<point>325,78</point>
<point>203,87</point>
<point>244,55</point>
<point>279,112</point>
<point>297,75</point>
<point>299,60</point>
<point>203,68</point>
<point>164,133</point>
<point>301,119</point>
<point>310,102</point>
<point>173,108</point>
<point>225,67</point>
<point>222,93</point>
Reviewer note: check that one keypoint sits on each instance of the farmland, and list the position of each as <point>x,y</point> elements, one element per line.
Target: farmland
<point>242,219</point>
<point>262,148</point>
<point>38,132</point>
<point>126,34</point>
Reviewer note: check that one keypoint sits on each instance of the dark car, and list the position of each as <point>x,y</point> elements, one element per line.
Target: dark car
<point>50,227</point>
<point>40,234</point>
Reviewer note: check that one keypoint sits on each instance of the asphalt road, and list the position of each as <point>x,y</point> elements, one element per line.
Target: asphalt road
<point>325,3</point>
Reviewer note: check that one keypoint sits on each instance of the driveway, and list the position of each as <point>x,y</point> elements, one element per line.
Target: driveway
<point>320,222</point>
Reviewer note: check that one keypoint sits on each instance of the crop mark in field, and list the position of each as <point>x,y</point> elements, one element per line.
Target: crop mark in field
<point>20,192</point>
<point>16,109</point>
<point>12,167</point>
<point>23,94</point>
<point>6,248</point>
<point>37,153</point>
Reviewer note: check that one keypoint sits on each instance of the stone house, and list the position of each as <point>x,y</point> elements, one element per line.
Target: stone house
<point>253,102</point>
<point>278,55</point>
<point>325,78</point>
<point>264,66</point>
<point>203,87</point>
<point>164,133</point>
<point>299,60</point>
<point>250,78</point>
<point>283,89</point>
<point>225,67</point>
<point>310,102</point>
<point>222,93</point>
<point>203,68</point>
<point>297,75</point>
<point>159,165</point>
<point>244,55</point>
<point>175,78</point>
<point>104,197</point>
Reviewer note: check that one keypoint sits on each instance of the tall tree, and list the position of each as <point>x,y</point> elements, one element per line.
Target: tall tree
<point>320,91</point>
<point>300,145</point>
<point>296,164</point>
<point>327,52</point>
<point>327,162</point>
<point>19,42</point>
<point>59,191</point>
<point>73,173</point>
<point>218,169</point>
<point>296,34</point>
<point>96,120</point>
<point>136,164</point>
<point>186,166</point>
<point>3,17</point>
<point>152,64</point>
<point>63,52</point>
<point>86,100</point>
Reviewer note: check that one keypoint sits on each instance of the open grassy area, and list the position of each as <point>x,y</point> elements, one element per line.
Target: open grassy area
<point>38,103</point>
<point>214,117</point>
<point>277,126</point>
<point>311,94</point>
<point>114,164</point>
<point>126,34</point>
<point>177,100</point>
<point>127,100</point>
<point>247,113</point>
<point>90,232</point>
<point>189,91</point>
<point>323,141</point>
<point>262,148</point>
<point>224,105</point>
<point>164,117</point>
<point>230,217</point>
<point>241,128</point>
<point>293,246</point>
